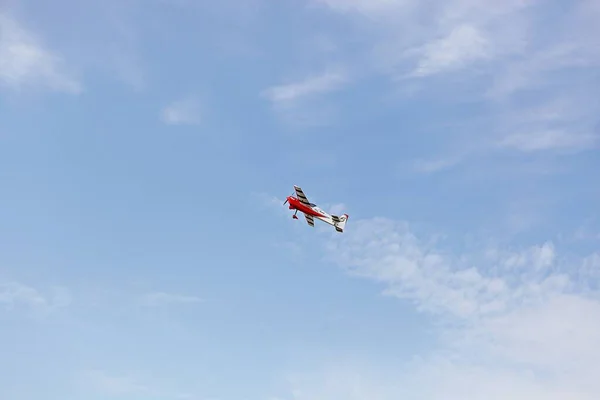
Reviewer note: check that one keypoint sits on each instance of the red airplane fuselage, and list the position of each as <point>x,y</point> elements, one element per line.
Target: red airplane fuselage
<point>295,204</point>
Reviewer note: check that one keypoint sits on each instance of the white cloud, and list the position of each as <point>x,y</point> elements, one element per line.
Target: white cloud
<point>437,378</point>
<point>536,257</point>
<point>466,48</point>
<point>301,103</point>
<point>464,45</point>
<point>182,112</point>
<point>365,6</point>
<point>591,266</point>
<point>554,336</point>
<point>313,85</point>
<point>517,323</point>
<point>470,285</point>
<point>24,62</point>
<point>272,202</point>
<point>563,125</point>
<point>162,298</point>
<point>15,296</point>
<point>535,69</point>
<point>337,209</point>
<point>440,36</point>
<point>435,165</point>
<point>549,140</point>
<point>586,233</point>
<point>12,294</point>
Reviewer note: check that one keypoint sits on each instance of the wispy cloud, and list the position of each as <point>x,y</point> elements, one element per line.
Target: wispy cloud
<point>566,125</point>
<point>367,7</point>
<point>464,45</point>
<point>587,231</point>
<point>435,165</point>
<point>503,310</point>
<point>591,265</point>
<point>550,140</point>
<point>337,208</point>
<point>313,85</point>
<point>302,103</point>
<point>162,299</point>
<point>25,62</point>
<point>465,48</point>
<point>182,112</point>
<point>443,284</point>
<point>15,296</point>
<point>449,35</point>
<point>270,201</point>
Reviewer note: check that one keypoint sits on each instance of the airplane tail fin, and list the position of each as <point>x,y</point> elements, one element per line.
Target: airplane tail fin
<point>340,222</point>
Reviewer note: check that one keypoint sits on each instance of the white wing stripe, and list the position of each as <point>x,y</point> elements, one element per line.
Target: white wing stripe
<point>310,220</point>
<point>301,196</point>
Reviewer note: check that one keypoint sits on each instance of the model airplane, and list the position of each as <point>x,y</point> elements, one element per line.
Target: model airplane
<point>311,211</point>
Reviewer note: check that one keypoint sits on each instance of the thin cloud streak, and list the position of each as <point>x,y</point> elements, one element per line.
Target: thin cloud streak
<point>502,312</point>
<point>24,62</point>
<point>161,298</point>
<point>182,112</point>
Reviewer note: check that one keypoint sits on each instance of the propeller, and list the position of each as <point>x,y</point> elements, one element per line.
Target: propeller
<point>286,199</point>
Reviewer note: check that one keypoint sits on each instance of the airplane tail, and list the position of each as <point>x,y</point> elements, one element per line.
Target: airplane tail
<point>340,222</point>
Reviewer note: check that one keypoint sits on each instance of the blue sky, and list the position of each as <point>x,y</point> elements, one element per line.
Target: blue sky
<point>147,148</point>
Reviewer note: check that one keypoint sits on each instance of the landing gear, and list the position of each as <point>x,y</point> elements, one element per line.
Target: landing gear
<point>291,207</point>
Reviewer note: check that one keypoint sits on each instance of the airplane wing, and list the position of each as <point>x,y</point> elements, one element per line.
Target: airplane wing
<point>310,219</point>
<point>301,196</point>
